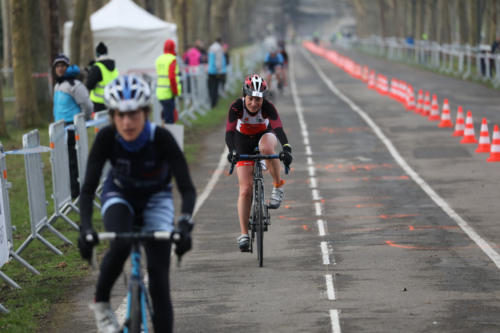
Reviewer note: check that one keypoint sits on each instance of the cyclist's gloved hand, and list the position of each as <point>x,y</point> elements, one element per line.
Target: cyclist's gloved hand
<point>232,156</point>
<point>84,245</point>
<point>184,225</point>
<point>286,155</point>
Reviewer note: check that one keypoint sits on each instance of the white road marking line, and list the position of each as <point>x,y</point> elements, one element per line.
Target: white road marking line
<point>313,183</point>
<point>324,253</point>
<point>315,194</point>
<point>321,228</point>
<point>317,207</point>
<point>467,229</point>
<point>330,290</point>
<point>312,171</point>
<point>308,150</point>
<point>310,161</point>
<point>334,317</point>
<point>306,141</point>
<point>213,180</point>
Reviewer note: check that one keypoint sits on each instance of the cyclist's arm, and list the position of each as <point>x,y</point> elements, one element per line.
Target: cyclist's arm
<point>275,121</point>
<point>97,157</point>
<point>179,167</point>
<point>232,120</point>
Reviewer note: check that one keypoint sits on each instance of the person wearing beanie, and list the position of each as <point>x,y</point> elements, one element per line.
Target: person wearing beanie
<point>168,84</point>
<point>102,71</point>
<point>70,98</point>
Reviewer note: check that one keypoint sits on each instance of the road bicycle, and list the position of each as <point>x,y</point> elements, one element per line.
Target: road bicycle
<point>138,299</point>
<point>260,220</point>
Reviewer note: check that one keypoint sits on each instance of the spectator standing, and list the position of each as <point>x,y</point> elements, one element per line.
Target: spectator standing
<point>168,85</point>
<point>192,59</point>
<point>201,47</point>
<point>70,98</point>
<point>216,70</point>
<point>101,73</point>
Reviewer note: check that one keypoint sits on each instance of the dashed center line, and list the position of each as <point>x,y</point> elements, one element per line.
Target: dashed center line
<point>313,184</point>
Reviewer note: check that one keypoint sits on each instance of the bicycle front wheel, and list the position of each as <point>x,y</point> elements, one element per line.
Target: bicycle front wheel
<point>260,223</point>
<point>135,310</point>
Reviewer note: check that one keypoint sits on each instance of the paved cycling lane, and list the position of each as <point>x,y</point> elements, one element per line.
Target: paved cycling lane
<point>397,262</point>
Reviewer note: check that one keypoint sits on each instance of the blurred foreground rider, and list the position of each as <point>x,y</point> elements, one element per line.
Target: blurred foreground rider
<point>70,98</point>
<point>137,192</point>
<point>101,73</point>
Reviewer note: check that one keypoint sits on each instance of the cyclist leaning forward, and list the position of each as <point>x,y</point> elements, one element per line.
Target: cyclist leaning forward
<point>254,121</point>
<point>137,191</point>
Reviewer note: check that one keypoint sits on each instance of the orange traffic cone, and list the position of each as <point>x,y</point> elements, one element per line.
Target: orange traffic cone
<point>459,123</point>
<point>469,136</point>
<point>372,82</point>
<point>445,115</point>
<point>411,99</point>
<point>484,138</point>
<point>427,105</point>
<point>420,101</point>
<point>495,146</point>
<point>434,109</point>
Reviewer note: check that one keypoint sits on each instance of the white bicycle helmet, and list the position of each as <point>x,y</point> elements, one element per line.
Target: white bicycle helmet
<point>127,93</point>
<point>255,85</point>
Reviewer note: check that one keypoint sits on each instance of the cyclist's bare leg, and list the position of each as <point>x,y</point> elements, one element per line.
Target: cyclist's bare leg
<point>245,179</point>
<point>267,146</point>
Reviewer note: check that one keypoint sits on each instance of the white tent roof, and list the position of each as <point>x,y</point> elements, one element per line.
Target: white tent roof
<point>126,14</point>
<point>133,36</point>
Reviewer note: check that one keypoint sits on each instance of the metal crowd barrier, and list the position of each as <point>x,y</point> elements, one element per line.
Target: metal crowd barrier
<point>460,60</point>
<point>5,208</point>
<point>61,187</point>
<point>36,192</point>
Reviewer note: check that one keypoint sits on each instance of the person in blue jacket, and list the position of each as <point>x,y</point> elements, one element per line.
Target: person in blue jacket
<point>216,70</point>
<point>70,98</point>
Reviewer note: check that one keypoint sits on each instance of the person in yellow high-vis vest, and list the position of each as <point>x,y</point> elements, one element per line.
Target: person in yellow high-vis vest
<point>168,85</point>
<point>101,73</point>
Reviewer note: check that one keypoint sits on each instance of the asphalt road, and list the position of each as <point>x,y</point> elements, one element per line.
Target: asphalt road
<point>367,238</point>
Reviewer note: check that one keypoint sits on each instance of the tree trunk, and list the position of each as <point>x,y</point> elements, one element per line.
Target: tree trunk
<point>473,26</point>
<point>492,26</point>
<point>418,20</point>
<point>54,33</point>
<point>87,40</point>
<point>77,30</point>
<point>3,127</point>
<point>41,61</point>
<point>463,22</point>
<point>443,24</point>
<point>7,35</point>
<point>24,87</point>
<point>381,8</point>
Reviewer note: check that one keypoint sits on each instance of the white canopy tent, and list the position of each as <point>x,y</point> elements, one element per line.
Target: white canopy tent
<point>133,36</point>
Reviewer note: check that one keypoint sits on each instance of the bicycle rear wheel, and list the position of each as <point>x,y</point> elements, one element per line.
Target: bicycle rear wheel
<point>135,313</point>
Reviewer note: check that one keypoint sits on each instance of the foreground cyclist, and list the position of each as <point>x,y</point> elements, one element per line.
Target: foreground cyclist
<point>137,190</point>
<point>254,122</point>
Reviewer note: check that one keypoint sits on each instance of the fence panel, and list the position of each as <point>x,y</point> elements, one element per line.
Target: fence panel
<point>59,160</point>
<point>36,192</point>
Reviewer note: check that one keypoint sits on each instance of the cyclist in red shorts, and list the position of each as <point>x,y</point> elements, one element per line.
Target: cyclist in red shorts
<point>254,121</point>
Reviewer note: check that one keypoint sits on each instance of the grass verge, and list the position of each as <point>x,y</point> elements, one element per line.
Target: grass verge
<point>60,275</point>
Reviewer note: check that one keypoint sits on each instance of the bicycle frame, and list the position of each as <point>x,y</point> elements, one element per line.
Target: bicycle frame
<point>259,211</point>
